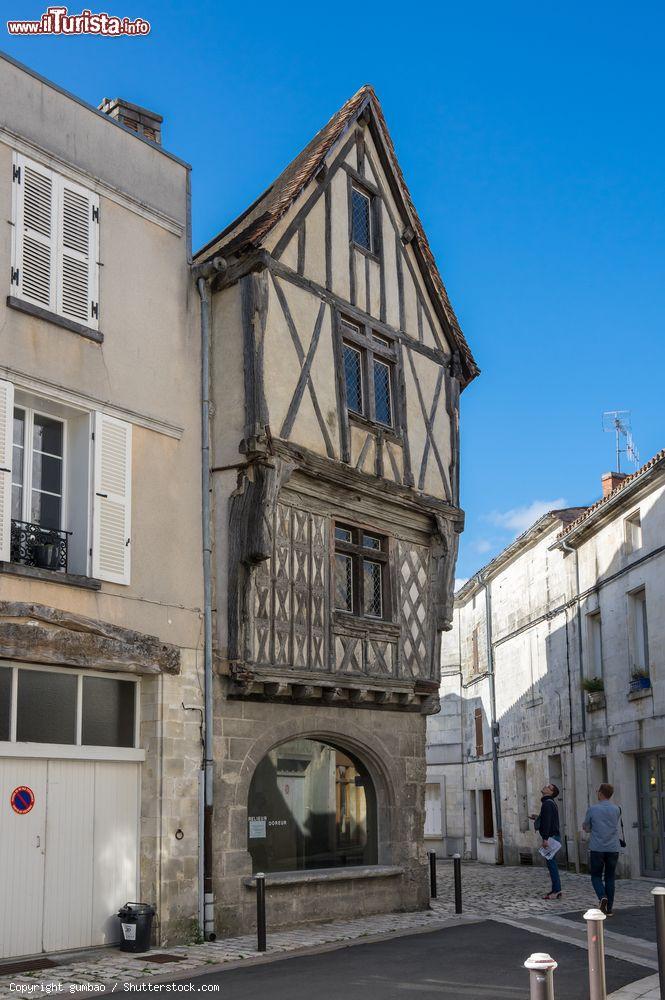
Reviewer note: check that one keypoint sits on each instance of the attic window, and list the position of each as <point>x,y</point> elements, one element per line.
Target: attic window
<point>361,219</point>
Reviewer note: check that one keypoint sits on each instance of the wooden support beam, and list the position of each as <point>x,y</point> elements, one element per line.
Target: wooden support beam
<point>41,634</point>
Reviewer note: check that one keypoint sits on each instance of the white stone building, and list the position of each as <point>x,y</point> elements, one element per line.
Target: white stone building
<point>566,685</point>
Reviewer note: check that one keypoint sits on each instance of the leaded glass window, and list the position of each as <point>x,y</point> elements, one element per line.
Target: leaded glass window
<point>361,564</point>
<point>353,376</point>
<point>369,358</point>
<point>361,219</point>
<point>373,594</point>
<point>343,582</point>
<point>382,393</point>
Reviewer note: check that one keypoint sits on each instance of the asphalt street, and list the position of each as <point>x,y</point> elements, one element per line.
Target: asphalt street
<point>468,961</point>
<point>634,921</point>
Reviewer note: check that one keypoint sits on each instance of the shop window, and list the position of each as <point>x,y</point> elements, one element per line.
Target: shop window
<point>67,707</point>
<point>487,814</point>
<point>46,707</point>
<point>5,702</point>
<point>108,712</point>
<point>310,806</point>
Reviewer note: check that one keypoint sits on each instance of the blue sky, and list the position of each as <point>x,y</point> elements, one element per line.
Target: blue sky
<point>532,140</point>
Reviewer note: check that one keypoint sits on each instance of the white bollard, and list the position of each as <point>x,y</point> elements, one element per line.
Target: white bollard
<point>541,975</point>
<point>659,900</point>
<point>596,946</point>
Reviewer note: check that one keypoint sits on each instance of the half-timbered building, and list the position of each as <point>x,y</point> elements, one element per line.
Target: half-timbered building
<point>337,363</point>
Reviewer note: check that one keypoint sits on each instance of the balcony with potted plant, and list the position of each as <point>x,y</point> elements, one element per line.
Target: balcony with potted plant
<point>595,693</point>
<point>640,684</point>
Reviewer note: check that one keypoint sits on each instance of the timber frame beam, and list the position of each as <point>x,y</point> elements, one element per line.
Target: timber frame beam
<point>266,684</point>
<point>260,260</point>
<point>336,473</point>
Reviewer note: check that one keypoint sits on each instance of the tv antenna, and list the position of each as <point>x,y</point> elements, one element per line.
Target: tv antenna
<point>617,422</point>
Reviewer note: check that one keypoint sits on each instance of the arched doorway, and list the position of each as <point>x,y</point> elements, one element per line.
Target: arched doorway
<point>311,805</point>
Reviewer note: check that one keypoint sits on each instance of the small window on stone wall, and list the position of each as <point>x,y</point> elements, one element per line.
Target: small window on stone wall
<point>310,806</point>
<point>487,813</point>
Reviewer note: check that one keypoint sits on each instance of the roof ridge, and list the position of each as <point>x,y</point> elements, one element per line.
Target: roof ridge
<point>555,514</point>
<point>659,456</point>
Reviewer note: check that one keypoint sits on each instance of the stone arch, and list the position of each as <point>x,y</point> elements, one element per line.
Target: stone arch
<point>366,746</point>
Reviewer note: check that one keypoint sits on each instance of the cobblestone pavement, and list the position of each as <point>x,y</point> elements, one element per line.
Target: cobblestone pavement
<point>518,892</point>
<point>487,891</point>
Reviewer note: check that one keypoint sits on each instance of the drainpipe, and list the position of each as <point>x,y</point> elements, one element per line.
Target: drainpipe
<point>569,548</point>
<point>203,276</point>
<point>494,724</point>
<point>573,782</point>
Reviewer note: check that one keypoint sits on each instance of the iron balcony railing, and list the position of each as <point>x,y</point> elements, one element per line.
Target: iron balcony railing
<point>34,545</point>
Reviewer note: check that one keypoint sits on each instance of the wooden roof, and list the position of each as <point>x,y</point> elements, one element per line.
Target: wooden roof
<point>250,230</point>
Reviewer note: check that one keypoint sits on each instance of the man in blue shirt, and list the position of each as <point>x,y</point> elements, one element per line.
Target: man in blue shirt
<point>602,822</point>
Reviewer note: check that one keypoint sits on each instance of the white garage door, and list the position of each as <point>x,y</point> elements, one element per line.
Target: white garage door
<point>69,807</point>
<point>71,861</point>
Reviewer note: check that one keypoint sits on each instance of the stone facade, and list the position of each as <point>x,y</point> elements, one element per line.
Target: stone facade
<point>565,602</point>
<point>117,374</point>
<point>390,745</point>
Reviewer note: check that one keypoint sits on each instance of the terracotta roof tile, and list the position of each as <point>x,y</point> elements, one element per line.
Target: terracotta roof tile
<point>251,228</point>
<point>659,457</point>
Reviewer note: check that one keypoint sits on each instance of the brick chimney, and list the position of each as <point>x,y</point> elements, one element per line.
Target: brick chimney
<point>139,120</point>
<point>611,480</point>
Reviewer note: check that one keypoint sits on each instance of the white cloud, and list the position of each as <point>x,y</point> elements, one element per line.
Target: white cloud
<point>459,582</point>
<point>481,545</point>
<point>518,519</point>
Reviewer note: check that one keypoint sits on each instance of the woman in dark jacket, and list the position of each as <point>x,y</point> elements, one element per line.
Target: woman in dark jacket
<point>547,825</point>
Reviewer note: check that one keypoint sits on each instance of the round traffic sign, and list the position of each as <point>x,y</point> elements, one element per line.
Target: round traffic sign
<point>22,799</point>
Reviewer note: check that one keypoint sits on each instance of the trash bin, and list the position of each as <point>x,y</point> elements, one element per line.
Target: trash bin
<point>136,926</point>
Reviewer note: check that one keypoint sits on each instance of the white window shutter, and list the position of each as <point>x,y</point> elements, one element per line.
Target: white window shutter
<point>33,272</point>
<point>77,254</point>
<point>112,499</point>
<point>6,444</point>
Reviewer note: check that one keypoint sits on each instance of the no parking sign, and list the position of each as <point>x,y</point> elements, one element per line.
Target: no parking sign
<point>22,799</point>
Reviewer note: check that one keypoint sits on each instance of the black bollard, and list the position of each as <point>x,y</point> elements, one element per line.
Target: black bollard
<point>261,911</point>
<point>432,873</point>
<point>457,868</point>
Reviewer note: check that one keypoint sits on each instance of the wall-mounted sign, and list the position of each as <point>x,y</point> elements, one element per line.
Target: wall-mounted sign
<point>22,799</point>
<point>257,828</point>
